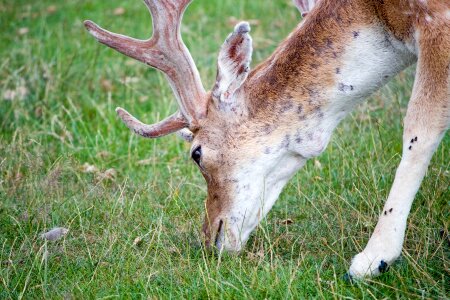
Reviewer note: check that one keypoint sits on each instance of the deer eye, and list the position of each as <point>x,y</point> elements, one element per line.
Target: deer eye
<point>197,154</point>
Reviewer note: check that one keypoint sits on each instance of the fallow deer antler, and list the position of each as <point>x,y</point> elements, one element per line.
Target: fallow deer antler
<point>165,51</point>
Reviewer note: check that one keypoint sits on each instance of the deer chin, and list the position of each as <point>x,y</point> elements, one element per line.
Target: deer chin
<point>252,200</point>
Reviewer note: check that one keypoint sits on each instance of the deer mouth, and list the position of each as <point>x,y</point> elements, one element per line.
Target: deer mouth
<point>220,236</point>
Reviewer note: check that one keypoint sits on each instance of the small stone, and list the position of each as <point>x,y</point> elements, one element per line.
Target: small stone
<point>54,234</point>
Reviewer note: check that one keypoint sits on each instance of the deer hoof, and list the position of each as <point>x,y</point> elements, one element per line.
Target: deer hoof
<point>383,267</point>
<point>369,265</point>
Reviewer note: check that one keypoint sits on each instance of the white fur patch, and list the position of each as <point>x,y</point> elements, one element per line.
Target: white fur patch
<point>370,60</point>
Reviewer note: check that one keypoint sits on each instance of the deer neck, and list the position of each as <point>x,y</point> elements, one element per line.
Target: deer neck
<point>330,63</point>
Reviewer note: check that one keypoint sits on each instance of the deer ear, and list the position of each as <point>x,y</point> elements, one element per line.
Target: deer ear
<point>304,6</point>
<point>233,64</point>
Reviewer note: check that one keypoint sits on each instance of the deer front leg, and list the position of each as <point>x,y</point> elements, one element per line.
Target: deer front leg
<point>426,121</point>
<point>385,244</point>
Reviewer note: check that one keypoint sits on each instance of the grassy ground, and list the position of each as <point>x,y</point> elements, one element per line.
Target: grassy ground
<point>66,160</point>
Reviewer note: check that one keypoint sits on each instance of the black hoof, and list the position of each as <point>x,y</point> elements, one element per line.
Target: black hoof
<point>383,267</point>
<point>348,278</point>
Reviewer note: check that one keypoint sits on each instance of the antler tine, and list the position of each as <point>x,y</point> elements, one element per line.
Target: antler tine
<point>169,125</point>
<point>165,51</point>
<point>126,45</point>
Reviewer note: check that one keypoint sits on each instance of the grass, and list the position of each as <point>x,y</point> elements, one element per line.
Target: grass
<point>63,87</point>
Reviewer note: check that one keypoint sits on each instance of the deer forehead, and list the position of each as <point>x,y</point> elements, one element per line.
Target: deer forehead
<point>243,146</point>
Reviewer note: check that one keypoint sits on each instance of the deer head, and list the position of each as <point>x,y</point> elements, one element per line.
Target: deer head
<point>241,148</point>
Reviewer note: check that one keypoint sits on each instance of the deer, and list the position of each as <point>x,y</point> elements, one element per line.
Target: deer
<point>257,127</point>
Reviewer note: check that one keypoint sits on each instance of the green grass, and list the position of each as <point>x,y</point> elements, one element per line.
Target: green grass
<point>65,118</point>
